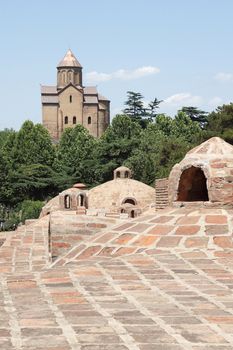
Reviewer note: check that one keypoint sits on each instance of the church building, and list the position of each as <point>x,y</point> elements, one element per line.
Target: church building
<point>70,102</point>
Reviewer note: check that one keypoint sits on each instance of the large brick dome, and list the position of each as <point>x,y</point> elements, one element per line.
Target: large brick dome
<point>205,174</point>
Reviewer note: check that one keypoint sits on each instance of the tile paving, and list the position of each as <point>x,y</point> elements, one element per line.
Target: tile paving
<point>141,286</point>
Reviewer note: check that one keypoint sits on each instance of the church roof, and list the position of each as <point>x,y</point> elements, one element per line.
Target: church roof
<point>90,90</point>
<point>90,99</point>
<point>69,60</point>
<point>49,99</point>
<point>102,98</point>
<point>50,90</point>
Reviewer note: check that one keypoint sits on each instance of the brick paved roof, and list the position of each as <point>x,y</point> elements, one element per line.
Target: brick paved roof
<point>162,281</point>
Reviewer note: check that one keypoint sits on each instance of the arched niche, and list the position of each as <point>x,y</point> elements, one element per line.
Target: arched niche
<point>192,185</point>
<point>81,200</point>
<point>67,202</point>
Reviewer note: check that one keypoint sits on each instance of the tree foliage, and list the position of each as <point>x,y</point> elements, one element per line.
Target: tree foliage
<point>196,115</point>
<point>136,109</point>
<point>220,123</point>
<point>34,169</point>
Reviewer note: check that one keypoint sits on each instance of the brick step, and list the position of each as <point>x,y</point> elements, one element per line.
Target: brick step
<point>161,193</point>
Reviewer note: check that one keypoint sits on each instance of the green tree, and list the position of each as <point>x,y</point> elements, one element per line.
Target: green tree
<point>152,108</point>
<point>184,127</point>
<point>116,145</point>
<point>75,154</point>
<point>30,209</point>
<point>6,191</point>
<point>145,157</point>
<point>220,123</point>
<point>165,124</point>
<point>34,145</point>
<point>31,145</point>
<point>134,105</point>
<point>27,156</point>
<point>4,135</point>
<point>196,115</point>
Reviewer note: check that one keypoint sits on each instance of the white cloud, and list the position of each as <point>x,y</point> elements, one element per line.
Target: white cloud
<point>182,99</point>
<point>224,77</point>
<point>97,77</point>
<point>122,74</point>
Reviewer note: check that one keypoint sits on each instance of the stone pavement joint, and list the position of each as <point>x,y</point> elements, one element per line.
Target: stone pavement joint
<point>162,281</point>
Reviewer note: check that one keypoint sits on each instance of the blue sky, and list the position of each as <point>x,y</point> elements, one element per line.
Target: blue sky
<point>178,51</point>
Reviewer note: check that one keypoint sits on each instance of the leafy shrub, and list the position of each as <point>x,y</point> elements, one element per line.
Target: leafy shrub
<point>30,209</point>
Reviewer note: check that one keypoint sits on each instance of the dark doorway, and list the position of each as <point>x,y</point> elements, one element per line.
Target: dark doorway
<point>81,200</point>
<point>132,214</point>
<point>192,186</point>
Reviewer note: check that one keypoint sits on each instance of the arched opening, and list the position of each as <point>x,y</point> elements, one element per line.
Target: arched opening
<point>70,76</point>
<point>89,120</point>
<point>118,174</point>
<point>66,120</point>
<point>192,186</point>
<point>132,214</point>
<point>81,200</point>
<point>129,201</point>
<point>122,210</point>
<point>126,174</point>
<point>67,201</point>
<point>70,98</point>
<point>74,120</point>
<point>64,77</point>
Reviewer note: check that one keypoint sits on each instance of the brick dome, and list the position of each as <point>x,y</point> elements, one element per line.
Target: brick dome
<point>205,174</point>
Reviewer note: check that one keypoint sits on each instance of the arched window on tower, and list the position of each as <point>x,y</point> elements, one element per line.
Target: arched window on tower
<point>70,98</point>
<point>89,120</point>
<point>70,76</point>
<point>66,120</point>
<point>74,120</point>
<point>64,77</point>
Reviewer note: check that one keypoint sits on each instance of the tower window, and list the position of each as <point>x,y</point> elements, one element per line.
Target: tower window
<point>70,98</point>
<point>74,120</point>
<point>64,77</point>
<point>66,120</point>
<point>89,120</point>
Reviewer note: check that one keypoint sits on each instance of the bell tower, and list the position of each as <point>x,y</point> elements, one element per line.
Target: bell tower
<point>69,70</point>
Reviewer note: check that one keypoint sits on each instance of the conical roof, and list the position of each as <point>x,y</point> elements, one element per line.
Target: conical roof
<point>69,60</point>
<point>214,147</point>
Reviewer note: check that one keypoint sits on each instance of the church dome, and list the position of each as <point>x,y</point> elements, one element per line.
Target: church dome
<point>69,60</point>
